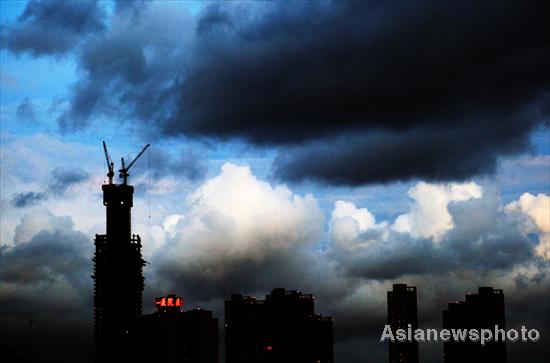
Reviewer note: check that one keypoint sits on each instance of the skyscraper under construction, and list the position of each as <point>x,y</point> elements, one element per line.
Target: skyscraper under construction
<point>118,273</point>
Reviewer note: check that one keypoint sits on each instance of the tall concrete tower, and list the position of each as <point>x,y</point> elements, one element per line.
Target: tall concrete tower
<point>402,312</point>
<point>118,273</point>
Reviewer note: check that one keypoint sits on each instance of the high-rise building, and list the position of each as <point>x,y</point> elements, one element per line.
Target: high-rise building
<point>282,328</point>
<point>118,278</point>
<point>483,310</point>
<point>171,335</point>
<point>118,273</point>
<point>402,313</point>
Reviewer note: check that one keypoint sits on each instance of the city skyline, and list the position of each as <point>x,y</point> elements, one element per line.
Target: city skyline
<point>336,148</point>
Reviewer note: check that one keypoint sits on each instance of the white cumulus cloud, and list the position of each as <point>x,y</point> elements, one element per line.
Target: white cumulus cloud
<point>236,217</point>
<point>429,216</point>
<point>348,222</point>
<point>537,208</point>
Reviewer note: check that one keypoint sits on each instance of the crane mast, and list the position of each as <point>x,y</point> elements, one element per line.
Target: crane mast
<point>110,164</point>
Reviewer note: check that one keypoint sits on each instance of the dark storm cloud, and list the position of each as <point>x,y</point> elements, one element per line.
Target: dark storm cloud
<point>53,27</point>
<point>46,276</point>
<point>425,153</point>
<point>187,163</point>
<point>313,69</point>
<point>130,69</point>
<point>63,179</point>
<point>21,200</point>
<point>46,257</point>
<point>459,82</point>
<point>278,269</point>
<point>416,90</point>
<point>25,111</point>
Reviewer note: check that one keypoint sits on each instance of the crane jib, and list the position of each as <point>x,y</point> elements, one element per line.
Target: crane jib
<point>124,170</point>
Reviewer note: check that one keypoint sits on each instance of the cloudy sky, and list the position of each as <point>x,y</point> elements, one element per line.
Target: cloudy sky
<point>331,147</point>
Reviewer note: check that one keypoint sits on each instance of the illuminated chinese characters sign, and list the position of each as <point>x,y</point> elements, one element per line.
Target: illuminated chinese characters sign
<point>169,301</point>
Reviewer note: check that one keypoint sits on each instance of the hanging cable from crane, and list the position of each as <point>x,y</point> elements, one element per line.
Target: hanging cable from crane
<point>149,183</point>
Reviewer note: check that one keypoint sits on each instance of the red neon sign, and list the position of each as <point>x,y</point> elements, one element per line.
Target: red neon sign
<point>169,301</point>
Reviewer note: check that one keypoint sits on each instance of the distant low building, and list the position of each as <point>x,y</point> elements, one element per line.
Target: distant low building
<point>402,312</point>
<point>483,310</point>
<point>171,335</point>
<point>282,328</point>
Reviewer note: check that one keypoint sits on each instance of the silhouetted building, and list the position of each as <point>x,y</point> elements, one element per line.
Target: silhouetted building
<point>171,335</point>
<point>402,311</point>
<point>483,310</point>
<point>118,278</point>
<point>118,272</point>
<point>281,328</point>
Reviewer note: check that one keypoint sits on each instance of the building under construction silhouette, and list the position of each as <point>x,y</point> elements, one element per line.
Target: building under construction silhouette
<point>118,272</point>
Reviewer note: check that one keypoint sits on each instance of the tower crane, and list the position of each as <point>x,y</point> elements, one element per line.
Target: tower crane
<point>124,170</point>
<point>110,164</point>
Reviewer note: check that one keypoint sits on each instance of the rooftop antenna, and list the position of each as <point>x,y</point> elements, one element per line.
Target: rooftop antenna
<point>110,164</point>
<point>124,171</point>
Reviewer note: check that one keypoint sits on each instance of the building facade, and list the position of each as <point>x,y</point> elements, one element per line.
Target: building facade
<point>483,310</point>
<point>171,335</point>
<point>282,328</point>
<point>402,312</point>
